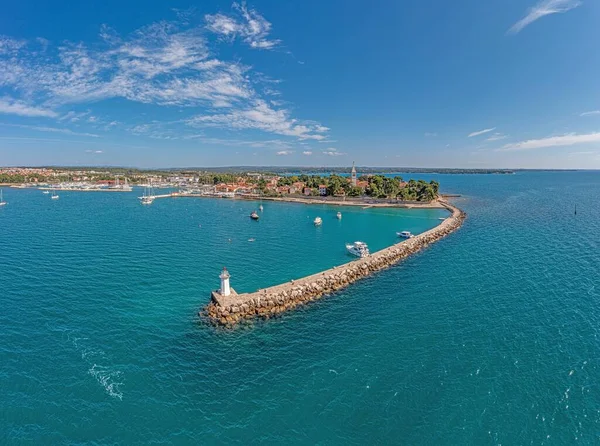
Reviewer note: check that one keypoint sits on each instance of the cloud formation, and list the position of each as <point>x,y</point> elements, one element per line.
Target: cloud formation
<point>284,152</point>
<point>542,9</point>
<point>332,152</point>
<point>591,113</point>
<point>20,108</point>
<point>552,141</point>
<point>307,153</point>
<point>480,132</point>
<point>246,24</point>
<point>168,63</point>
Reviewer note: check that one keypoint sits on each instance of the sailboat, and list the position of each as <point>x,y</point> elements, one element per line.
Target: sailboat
<point>148,196</point>
<point>54,196</point>
<point>2,202</point>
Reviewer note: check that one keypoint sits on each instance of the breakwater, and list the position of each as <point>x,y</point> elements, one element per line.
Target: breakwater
<point>268,302</point>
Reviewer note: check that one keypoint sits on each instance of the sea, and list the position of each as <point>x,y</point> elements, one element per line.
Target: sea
<point>489,336</point>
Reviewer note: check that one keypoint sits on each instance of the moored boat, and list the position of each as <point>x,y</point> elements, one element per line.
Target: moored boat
<point>260,208</point>
<point>405,234</point>
<point>2,202</point>
<point>339,215</point>
<point>54,195</point>
<point>358,249</point>
<point>318,221</point>
<point>254,215</point>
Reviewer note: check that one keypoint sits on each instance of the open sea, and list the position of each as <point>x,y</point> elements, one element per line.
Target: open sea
<point>490,336</point>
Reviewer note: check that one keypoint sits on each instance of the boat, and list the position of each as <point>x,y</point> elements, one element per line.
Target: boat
<point>254,215</point>
<point>46,192</point>
<point>358,249</point>
<point>260,208</point>
<point>54,196</point>
<point>404,234</point>
<point>2,202</point>
<point>318,221</point>
<point>338,215</point>
<point>148,196</point>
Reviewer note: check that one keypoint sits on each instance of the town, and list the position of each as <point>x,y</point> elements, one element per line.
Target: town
<point>223,184</point>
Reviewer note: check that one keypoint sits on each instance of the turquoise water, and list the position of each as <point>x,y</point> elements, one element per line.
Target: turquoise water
<point>488,337</point>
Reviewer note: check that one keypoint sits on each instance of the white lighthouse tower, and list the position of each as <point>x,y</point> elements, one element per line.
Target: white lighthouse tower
<point>353,174</point>
<point>225,289</point>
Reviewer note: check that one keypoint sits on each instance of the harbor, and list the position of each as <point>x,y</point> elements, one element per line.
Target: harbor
<point>229,308</point>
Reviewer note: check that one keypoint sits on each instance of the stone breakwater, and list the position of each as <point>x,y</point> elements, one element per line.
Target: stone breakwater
<point>268,302</point>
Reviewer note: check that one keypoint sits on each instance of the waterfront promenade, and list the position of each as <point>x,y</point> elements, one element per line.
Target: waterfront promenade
<point>229,310</point>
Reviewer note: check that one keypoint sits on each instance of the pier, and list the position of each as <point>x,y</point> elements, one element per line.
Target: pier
<point>232,308</point>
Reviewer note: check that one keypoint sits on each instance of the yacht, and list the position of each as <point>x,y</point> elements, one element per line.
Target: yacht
<point>46,192</point>
<point>338,215</point>
<point>54,196</point>
<point>260,208</point>
<point>404,234</point>
<point>254,215</point>
<point>358,249</point>
<point>2,202</point>
<point>318,221</point>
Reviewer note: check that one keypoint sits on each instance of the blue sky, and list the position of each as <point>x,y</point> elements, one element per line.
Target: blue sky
<point>429,83</point>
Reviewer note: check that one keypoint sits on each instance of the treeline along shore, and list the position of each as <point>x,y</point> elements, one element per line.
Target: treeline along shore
<point>268,302</point>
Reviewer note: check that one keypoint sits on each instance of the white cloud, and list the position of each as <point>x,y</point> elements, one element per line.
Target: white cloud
<point>542,9</point>
<point>167,64</point>
<point>260,116</point>
<point>496,137</point>
<point>14,107</point>
<point>99,151</point>
<point>50,129</point>
<point>590,113</point>
<point>307,153</point>
<point>248,24</point>
<point>430,134</point>
<point>285,152</point>
<point>552,141</point>
<point>480,132</point>
<point>9,45</point>
<point>332,152</point>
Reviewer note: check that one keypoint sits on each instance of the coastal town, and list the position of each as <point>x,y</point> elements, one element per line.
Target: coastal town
<point>349,185</point>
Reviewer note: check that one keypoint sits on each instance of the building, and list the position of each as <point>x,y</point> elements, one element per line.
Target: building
<point>353,175</point>
<point>322,190</point>
<point>307,191</point>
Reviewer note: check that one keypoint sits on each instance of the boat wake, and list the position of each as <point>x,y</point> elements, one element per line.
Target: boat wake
<point>107,376</point>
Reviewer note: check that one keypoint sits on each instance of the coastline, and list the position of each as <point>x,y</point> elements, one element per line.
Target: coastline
<point>434,204</point>
<point>232,309</point>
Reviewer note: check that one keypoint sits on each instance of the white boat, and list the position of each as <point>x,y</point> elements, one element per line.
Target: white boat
<point>339,215</point>
<point>54,196</point>
<point>261,208</point>
<point>404,234</point>
<point>358,249</point>
<point>46,192</point>
<point>318,221</point>
<point>2,202</point>
<point>147,197</point>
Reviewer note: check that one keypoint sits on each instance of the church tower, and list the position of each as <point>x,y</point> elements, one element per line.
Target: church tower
<point>353,174</point>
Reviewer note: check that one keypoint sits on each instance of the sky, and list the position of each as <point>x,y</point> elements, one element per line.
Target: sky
<point>395,83</point>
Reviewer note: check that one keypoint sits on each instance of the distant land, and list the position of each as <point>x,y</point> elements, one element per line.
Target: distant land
<point>289,169</point>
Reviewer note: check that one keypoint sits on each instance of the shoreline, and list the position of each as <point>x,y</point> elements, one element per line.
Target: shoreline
<point>265,303</point>
<point>434,204</point>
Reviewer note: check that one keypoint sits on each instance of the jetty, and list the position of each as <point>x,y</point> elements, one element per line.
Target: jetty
<point>229,308</point>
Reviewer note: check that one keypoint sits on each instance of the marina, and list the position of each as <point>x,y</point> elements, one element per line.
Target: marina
<point>228,308</point>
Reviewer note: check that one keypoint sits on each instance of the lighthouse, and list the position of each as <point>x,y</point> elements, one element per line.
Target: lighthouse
<point>225,290</point>
<point>353,174</point>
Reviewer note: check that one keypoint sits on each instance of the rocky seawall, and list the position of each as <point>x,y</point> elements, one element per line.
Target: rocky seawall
<point>268,302</point>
